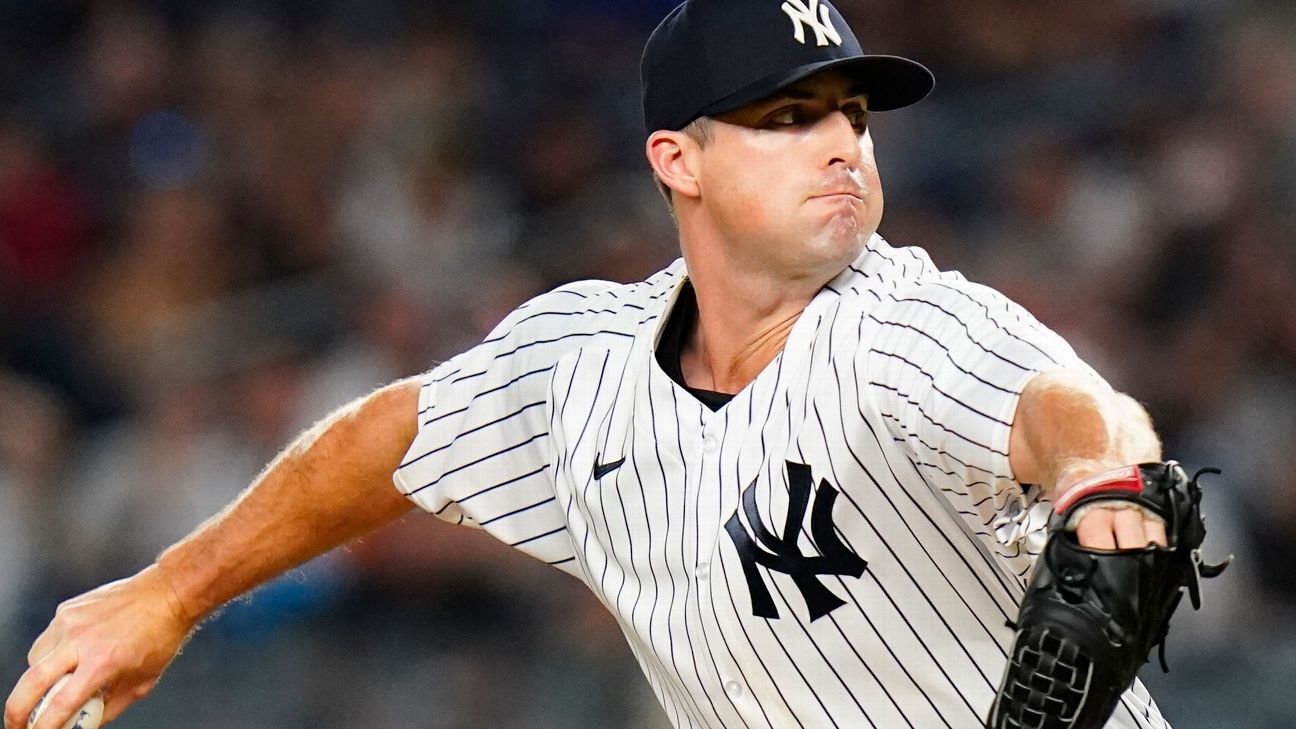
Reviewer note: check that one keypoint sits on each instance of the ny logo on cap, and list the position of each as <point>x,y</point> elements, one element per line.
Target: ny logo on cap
<point>802,13</point>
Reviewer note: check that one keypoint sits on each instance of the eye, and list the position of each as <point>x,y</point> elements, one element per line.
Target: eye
<point>788,116</point>
<point>858,118</point>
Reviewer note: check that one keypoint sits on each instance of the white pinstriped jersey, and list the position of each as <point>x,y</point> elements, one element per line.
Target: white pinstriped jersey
<point>839,545</point>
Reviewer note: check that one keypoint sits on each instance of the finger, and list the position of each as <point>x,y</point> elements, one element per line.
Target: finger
<point>1155,530</point>
<point>119,698</point>
<point>1128,526</point>
<point>1095,530</point>
<point>33,684</point>
<point>44,644</point>
<point>68,701</point>
<point>114,704</point>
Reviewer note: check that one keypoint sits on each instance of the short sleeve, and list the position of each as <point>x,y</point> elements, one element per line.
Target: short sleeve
<point>482,453</point>
<point>945,367</point>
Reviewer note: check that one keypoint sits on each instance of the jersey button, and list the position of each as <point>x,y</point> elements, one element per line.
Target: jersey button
<point>702,571</point>
<point>709,444</point>
<point>733,688</point>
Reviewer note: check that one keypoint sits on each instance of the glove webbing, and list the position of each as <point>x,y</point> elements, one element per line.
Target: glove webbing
<point>1059,682</point>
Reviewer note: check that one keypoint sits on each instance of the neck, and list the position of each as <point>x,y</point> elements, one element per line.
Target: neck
<point>744,319</point>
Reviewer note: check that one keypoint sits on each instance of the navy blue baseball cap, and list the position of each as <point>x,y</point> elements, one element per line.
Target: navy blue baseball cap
<point>712,56</point>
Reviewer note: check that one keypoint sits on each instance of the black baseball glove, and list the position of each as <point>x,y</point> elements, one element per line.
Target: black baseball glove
<point>1090,617</point>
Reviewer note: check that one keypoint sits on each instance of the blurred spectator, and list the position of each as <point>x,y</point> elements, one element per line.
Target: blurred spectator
<point>172,258</point>
<point>44,224</point>
<point>33,442</point>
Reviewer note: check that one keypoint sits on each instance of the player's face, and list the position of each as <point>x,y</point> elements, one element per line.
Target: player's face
<point>792,179</point>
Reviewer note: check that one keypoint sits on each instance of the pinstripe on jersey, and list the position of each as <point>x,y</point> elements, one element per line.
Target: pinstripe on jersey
<point>897,387</point>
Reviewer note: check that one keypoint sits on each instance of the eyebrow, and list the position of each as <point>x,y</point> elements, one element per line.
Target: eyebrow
<point>794,94</point>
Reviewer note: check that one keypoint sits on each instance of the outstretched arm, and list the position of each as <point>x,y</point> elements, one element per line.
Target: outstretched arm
<point>331,485</point>
<point>1069,426</point>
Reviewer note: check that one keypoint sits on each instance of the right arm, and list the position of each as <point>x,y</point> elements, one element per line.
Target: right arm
<point>331,485</point>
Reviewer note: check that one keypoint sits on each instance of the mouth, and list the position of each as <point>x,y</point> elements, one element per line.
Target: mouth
<point>843,196</point>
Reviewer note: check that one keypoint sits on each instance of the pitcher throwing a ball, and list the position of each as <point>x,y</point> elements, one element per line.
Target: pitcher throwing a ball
<point>807,471</point>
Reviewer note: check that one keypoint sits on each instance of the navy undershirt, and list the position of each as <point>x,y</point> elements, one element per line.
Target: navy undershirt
<point>679,327</point>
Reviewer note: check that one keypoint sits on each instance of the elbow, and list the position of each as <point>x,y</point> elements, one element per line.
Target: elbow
<point>1068,421</point>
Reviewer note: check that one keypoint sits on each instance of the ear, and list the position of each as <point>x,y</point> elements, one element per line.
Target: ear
<point>673,157</point>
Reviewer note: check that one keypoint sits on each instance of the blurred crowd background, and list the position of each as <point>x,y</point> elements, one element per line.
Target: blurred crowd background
<point>219,219</point>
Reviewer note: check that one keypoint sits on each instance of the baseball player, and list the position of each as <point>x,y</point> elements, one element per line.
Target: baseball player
<point>805,470</point>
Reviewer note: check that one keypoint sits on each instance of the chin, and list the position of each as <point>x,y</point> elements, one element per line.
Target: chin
<point>843,238</point>
<point>827,255</point>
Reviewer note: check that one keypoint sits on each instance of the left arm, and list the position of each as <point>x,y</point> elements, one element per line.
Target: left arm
<point>1069,426</point>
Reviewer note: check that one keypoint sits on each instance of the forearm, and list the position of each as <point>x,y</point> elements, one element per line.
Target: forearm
<point>1068,426</point>
<point>331,485</point>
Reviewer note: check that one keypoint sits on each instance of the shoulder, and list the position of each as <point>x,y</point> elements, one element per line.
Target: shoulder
<point>968,301</point>
<point>887,277</point>
<point>518,355</point>
<point>590,308</point>
<point>884,264</point>
<point>898,295</point>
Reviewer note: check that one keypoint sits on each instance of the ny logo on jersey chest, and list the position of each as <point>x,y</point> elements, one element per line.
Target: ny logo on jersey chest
<point>781,553</point>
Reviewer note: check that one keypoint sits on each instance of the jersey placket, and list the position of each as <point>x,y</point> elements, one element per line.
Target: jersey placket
<point>736,448</point>
<point>717,497</point>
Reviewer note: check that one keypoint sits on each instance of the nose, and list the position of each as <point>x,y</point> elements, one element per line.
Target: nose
<point>841,141</point>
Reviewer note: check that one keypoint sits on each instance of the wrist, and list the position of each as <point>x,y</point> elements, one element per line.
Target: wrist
<point>180,587</point>
<point>1122,479</point>
<point>1072,471</point>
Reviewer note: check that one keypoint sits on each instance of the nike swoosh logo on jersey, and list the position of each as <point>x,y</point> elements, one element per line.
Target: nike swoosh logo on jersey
<point>601,470</point>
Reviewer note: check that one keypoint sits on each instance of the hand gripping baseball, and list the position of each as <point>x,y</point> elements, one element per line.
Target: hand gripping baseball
<point>1090,617</point>
<point>117,639</point>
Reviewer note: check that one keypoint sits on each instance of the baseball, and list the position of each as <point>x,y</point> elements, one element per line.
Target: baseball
<point>88,717</point>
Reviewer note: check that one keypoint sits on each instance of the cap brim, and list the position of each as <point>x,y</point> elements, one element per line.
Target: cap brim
<point>891,82</point>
